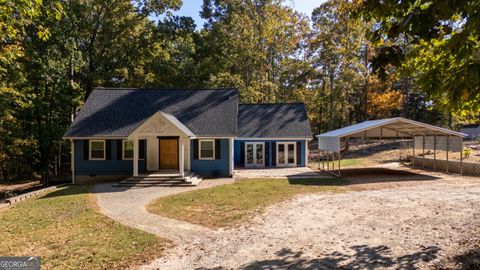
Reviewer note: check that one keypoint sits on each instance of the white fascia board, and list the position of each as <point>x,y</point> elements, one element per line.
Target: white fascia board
<point>274,139</point>
<point>385,122</point>
<point>172,119</point>
<point>178,124</point>
<point>95,138</point>
<point>440,129</point>
<point>366,125</point>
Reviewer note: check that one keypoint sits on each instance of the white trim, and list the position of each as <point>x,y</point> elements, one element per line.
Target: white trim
<point>142,136</point>
<point>178,124</point>
<point>72,159</point>
<point>255,164</point>
<point>274,139</point>
<point>294,164</point>
<point>230,156</point>
<point>95,138</point>
<point>200,149</point>
<point>170,118</point>
<point>212,137</point>
<point>135,156</point>
<point>90,149</point>
<point>181,166</point>
<point>123,150</point>
<point>367,125</point>
<point>306,153</point>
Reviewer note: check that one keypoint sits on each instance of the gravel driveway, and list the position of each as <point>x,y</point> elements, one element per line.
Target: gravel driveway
<point>407,227</point>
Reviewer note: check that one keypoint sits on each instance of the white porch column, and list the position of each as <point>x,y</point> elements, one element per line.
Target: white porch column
<point>230,151</point>
<point>72,159</point>
<point>182,160</point>
<point>135,156</point>
<point>306,153</point>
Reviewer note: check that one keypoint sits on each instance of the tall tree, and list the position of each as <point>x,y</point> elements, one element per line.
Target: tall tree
<point>336,46</point>
<point>255,45</point>
<point>445,36</point>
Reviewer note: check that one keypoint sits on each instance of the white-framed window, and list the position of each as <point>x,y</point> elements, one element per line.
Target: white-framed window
<point>206,149</point>
<point>97,149</point>
<point>127,149</point>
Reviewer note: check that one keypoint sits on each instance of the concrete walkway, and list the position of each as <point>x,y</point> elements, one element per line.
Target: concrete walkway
<point>279,173</point>
<point>127,206</point>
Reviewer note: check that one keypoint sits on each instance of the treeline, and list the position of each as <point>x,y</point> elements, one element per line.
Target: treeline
<point>346,61</point>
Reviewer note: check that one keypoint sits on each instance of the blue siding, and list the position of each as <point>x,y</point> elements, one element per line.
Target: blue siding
<point>218,167</point>
<point>236,150</point>
<point>105,167</point>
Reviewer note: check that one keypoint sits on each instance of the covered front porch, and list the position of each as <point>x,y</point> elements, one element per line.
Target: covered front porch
<point>167,146</point>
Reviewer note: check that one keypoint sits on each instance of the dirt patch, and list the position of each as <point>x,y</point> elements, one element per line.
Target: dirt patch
<point>409,227</point>
<point>386,178</point>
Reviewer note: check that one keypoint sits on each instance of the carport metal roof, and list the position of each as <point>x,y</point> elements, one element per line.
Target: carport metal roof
<point>385,128</point>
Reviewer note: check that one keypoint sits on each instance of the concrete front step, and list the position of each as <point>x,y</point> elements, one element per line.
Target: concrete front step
<point>191,179</point>
<point>157,179</point>
<point>185,184</point>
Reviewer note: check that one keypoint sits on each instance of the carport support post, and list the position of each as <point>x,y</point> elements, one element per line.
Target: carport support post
<point>434,152</point>
<point>413,152</point>
<point>448,146</point>
<point>323,160</point>
<point>333,162</point>
<point>318,160</point>
<point>339,159</point>
<point>461,156</point>
<point>423,151</point>
<point>381,135</point>
<point>328,162</point>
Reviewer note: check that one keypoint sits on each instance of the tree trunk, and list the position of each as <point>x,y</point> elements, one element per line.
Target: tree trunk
<point>405,90</point>
<point>365,91</point>
<point>330,105</point>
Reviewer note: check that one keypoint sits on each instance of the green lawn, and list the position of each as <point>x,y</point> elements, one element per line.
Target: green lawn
<point>352,162</point>
<point>227,205</point>
<point>346,163</point>
<point>68,232</point>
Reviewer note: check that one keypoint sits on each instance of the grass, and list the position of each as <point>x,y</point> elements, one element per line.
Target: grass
<point>66,229</point>
<point>229,205</point>
<point>345,163</point>
<point>353,162</point>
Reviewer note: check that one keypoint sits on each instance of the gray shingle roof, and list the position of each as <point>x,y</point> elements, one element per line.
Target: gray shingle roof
<point>118,112</point>
<point>273,121</point>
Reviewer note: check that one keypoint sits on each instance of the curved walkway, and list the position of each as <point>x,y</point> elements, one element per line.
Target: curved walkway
<point>127,206</point>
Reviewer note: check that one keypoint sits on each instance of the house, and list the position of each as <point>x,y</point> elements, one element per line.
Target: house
<point>472,131</point>
<point>123,132</point>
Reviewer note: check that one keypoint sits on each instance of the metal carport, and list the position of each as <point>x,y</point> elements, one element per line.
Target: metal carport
<point>428,136</point>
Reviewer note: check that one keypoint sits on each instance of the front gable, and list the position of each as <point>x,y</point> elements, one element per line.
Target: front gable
<point>162,124</point>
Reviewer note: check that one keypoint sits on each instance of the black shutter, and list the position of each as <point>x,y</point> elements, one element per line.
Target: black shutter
<point>108,149</point>
<point>242,153</point>
<point>217,149</point>
<point>195,149</point>
<point>141,151</point>
<point>85,149</point>
<point>267,154</point>
<point>299,153</point>
<point>119,149</point>
<point>274,154</point>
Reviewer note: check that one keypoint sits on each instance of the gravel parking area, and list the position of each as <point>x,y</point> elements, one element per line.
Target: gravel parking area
<point>411,226</point>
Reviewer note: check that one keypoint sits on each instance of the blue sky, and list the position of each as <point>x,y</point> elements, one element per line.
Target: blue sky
<point>191,8</point>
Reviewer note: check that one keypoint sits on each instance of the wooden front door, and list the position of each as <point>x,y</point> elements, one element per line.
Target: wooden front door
<point>168,153</point>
